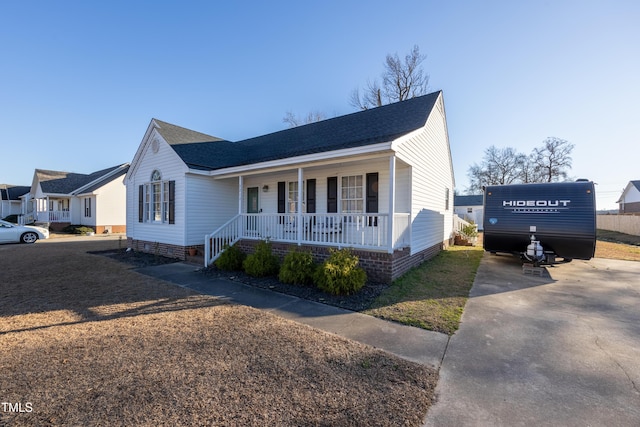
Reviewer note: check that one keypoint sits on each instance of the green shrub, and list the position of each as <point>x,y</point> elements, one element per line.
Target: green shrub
<point>262,262</point>
<point>470,230</point>
<point>297,268</point>
<point>340,274</point>
<point>230,259</point>
<point>78,229</point>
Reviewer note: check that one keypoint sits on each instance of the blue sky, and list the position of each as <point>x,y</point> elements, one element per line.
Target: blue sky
<point>80,81</point>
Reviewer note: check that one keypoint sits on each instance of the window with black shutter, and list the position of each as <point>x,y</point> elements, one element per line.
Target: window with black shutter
<point>372,197</point>
<point>332,194</point>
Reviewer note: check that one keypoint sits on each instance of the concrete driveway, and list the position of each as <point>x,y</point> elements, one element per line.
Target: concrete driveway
<point>558,350</point>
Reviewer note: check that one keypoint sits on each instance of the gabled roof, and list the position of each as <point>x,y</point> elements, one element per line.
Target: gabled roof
<point>377,125</point>
<point>631,184</point>
<point>472,200</point>
<point>57,182</point>
<point>12,192</point>
<point>176,135</point>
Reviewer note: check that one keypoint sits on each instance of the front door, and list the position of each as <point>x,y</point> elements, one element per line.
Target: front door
<point>252,208</point>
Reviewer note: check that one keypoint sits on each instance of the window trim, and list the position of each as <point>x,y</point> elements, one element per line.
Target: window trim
<point>361,199</point>
<point>87,207</point>
<point>156,202</point>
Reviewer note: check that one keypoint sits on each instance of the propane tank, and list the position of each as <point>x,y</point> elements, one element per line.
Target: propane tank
<point>534,250</point>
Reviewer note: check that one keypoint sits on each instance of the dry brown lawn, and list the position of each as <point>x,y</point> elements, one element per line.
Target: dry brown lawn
<point>615,245</point>
<point>85,340</point>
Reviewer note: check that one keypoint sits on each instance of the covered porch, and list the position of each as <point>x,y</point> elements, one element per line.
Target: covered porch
<point>46,210</point>
<point>363,203</point>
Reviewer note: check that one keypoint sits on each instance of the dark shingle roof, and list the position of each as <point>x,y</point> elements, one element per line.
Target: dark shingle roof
<point>636,184</point>
<point>473,200</point>
<point>12,192</point>
<point>176,135</point>
<point>57,182</point>
<point>382,124</point>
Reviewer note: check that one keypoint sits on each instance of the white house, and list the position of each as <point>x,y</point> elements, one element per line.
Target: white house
<point>379,181</point>
<point>470,208</point>
<point>10,202</point>
<point>96,200</point>
<point>629,201</point>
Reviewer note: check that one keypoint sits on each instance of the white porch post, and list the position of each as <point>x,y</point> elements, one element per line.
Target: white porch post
<point>392,202</point>
<point>299,216</point>
<point>240,185</point>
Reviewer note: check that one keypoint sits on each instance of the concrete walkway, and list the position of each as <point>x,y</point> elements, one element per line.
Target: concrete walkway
<point>415,344</point>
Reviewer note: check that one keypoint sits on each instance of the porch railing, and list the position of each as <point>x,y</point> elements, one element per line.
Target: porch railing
<point>54,216</point>
<point>365,231</point>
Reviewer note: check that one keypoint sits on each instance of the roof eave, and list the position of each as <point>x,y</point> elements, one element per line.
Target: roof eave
<point>316,158</point>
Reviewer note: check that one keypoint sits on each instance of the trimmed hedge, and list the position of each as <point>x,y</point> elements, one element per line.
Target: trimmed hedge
<point>340,274</point>
<point>262,262</point>
<point>230,259</point>
<point>297,268</point>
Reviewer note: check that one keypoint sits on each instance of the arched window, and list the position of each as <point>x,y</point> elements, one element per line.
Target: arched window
<point>158,205</point>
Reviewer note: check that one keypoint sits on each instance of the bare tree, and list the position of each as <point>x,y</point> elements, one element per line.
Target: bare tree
<point>500,166</point>
<point>553,160</point>
<point>292,120</point>
<point>401,80</point>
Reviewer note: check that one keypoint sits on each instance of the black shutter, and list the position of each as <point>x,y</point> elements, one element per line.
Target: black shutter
<point>140,203</point>
<point>372,196</point>
<point>282,197</point>
<point>172,202</point>
<point>311,196</point>
<point>372,192</point>
<point>332,194</point>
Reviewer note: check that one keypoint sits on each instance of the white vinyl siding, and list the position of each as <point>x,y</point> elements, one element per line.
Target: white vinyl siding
<point>110,203</point>
<point>268,201</point>
<point>172,168</point>
<point>429,155</point>
<point>210,203</point>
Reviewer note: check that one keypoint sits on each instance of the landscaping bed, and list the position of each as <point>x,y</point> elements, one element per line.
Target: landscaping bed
<point>359,301</point>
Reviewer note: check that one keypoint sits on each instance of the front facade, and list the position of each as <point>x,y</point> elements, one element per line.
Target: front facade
<point>59,199</point>
<point>10,202</point>
<point>470,208</point>
<point>378,181</point>
<point>629,201</point>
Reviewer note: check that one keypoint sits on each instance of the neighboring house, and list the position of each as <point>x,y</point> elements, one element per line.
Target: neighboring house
<point>629,201</point>
<point>96,200</point>
<point>379,181</point>
<point>470,208</point>
<point>10,202</point>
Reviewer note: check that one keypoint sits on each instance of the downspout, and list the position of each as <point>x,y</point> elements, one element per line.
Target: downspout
<point>299,216</point>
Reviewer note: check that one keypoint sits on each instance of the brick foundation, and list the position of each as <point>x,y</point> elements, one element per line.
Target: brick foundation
<point>162,249</point>
<point>104,229</point>
<point>380,266</point>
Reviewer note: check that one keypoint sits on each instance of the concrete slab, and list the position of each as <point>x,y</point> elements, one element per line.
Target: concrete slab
<point>560,349</point>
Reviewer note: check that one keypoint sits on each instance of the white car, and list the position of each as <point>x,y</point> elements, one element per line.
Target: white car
<point>12,233</point>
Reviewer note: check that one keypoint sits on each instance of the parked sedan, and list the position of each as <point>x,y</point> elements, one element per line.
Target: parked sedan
<point>12,233</point>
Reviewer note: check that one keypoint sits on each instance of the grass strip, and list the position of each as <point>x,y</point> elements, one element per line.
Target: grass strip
<point>433,295</point>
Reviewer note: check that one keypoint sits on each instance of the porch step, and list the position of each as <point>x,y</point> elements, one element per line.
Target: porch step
<point>197,259</point>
